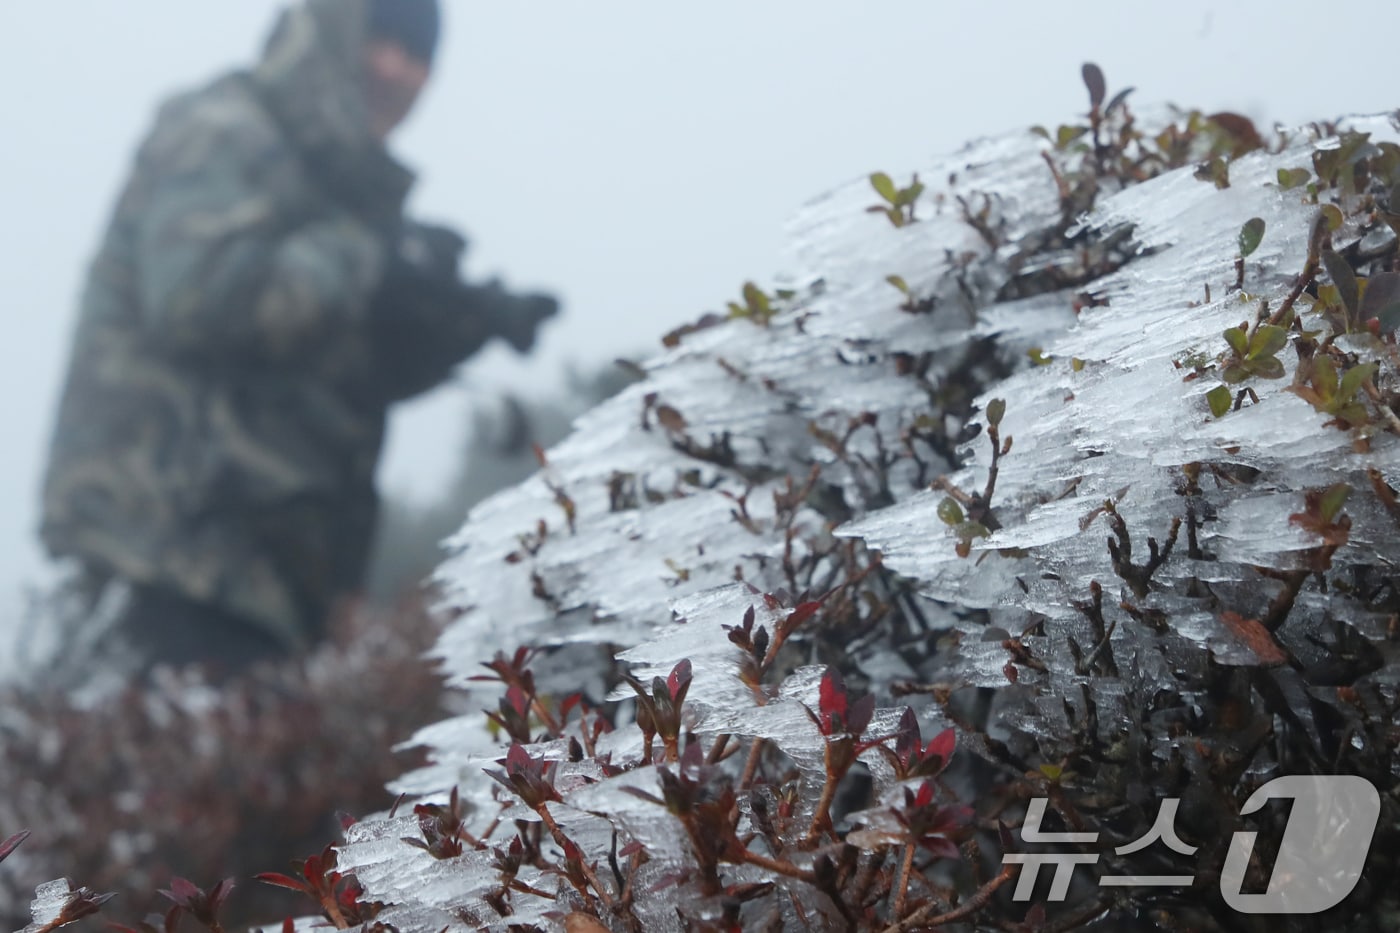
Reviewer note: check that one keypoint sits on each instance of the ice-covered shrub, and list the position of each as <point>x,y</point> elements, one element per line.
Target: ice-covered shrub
<point>1085,450</point>
<point>1053,485</point>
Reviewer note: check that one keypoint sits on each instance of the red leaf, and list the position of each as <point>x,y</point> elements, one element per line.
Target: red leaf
<point>9,845</point>
<point>861,712</point>
<point>222,890</point>
<point>831,699</point>
<point>907,737</point>
<point>1256,637</point>
<point>280,880</point>
<point>517,759</point>
<point>680,677</point>
<point>799,615</point>
<point>518,700</point>
<point>183,892</point>
<point>693,757</point>
<point>942,745</point>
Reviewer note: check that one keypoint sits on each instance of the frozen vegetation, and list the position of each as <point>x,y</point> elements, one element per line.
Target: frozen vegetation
<point>1062,468</point>
<point>1079,442</point>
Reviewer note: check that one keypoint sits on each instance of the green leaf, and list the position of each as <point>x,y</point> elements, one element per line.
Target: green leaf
<point>1039,357</point>
<point>949,512</point>
<point>1220,399</point>
<point>1325,163</point>
<point>1328,295</point>
<point>911,194</point>
<point>1267,341</point>
<point>1290,178</point>
<point>1052,772</point>
<point>1351,146</point>
<point>1342,276</point>
<point>898,282</point>
<point>996,409</point>
<point>1235,374</point>
<point>966,531</point>
<point>1332,501</point>
<point>1238,341</point>
<point>1333,215</point>
<point>1352,379</point>
<point>1094,81</point>
<point>1076,364</point>
<point>1324,377</point>
<point>1250,235</point>
<point>1382,291</point>
<point>1215,171</point>
<point>884,186</point>
<point>1265,367</point>
<point>1353,414</point>
<point>1068,134</point>
<point>757,301</point>
<point>1041,131</point>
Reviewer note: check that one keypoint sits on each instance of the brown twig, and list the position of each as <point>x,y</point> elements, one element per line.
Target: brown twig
<point>562,841</point>
<point>920,919</point>
<point>780,867</point>
<point>821,818</point>
<point>1304,280</point>
<point>751,766</point>
<point>1121,551</point>
<point>904,869</point>
<point>1282,604</point>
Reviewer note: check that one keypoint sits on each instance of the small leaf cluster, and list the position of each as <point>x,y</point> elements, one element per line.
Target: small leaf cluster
<point>659,710</point>
<point>899,202</point>
<point>757,305</point>
<point>1254,354</point>
<point>1337,395</point>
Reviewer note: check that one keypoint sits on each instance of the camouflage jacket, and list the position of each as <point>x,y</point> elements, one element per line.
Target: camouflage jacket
<point>225,403</point>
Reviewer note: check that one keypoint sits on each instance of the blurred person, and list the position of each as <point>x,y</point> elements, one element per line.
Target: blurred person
<point>258,301</point>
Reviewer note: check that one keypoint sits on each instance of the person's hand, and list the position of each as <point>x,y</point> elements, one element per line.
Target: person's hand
<point>520,318</point>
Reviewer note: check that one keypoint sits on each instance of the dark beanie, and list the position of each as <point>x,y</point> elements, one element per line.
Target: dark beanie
<point>413,24</point>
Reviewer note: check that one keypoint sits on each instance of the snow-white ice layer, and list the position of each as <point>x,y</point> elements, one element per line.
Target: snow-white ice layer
<point>664,520</point>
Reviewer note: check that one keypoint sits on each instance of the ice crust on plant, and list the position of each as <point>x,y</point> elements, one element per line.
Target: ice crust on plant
<point>49,901</point>
<point>680,505</point>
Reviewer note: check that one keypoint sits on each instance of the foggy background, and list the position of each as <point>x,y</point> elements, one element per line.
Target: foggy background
<point>636,158</point>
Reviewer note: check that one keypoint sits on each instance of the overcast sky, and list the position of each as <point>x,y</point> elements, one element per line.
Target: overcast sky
<point>638,157</point>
